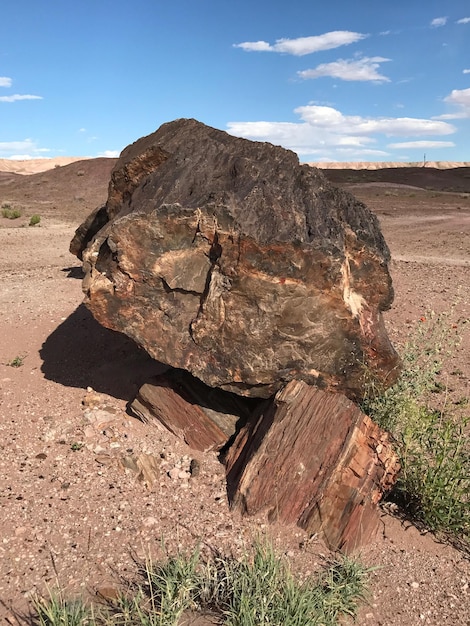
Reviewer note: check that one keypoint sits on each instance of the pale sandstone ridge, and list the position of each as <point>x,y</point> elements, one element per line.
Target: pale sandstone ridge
<point>35,166</point>
<point>381,165</point>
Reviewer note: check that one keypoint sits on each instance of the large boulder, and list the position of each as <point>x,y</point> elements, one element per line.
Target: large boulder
<point>228,259</point>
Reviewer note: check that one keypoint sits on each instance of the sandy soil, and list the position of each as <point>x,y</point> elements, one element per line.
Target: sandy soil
<point>86,489</point>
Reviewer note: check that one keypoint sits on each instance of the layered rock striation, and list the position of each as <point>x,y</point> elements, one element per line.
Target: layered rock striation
<point>228,259</point>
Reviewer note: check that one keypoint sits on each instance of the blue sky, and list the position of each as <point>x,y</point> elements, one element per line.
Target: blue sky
<point>336,80</point>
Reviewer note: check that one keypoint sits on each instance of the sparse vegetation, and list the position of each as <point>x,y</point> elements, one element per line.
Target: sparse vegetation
<point>18,361</point>
<point>34,220</point>
<point>433,443</point>
<point>10,212</point>
<point>258,589</point>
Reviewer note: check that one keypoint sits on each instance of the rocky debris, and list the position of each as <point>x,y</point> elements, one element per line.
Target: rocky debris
<point>112,436</point>
<point>226,258</point>
<point>146,466</point>
<point>307,457</point>
<point>313,458</point>
<point>105,427</point>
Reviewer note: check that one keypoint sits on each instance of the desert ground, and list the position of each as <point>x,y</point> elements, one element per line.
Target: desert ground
<point>87,491</point>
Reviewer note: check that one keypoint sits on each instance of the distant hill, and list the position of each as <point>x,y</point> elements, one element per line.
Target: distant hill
<point>34,166</point>
<point>62,173</point>
<point>67,192</point>
<point>455,179</point>
<point>365,165</point>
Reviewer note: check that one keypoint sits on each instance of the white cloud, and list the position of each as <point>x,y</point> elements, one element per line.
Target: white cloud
<point>466,71</point>
<point>16,97</point>
<point>364,153</point>
<point>5,81</point>
<point>304,45</point>
<point>25,149</point>
<point>25,157</point>
<point>109,154</point>
<point>355,125</point>
<point>323,128</point>
<point>255,46</point>
<point>464,20</point>
<point>460,115</point>
<point>364,69</point>
<point>439,21</point>
<point>422,145</point>
<point>461,99</point>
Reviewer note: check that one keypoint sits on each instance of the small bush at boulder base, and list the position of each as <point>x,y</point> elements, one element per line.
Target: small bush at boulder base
<point>35,219</point>
<point>257,589</point>
<point>433,443</point>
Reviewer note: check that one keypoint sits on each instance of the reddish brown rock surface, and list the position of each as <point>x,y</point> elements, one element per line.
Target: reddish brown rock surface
<point>203,417</point>
<point>228,259</point>
<point>313,458</point>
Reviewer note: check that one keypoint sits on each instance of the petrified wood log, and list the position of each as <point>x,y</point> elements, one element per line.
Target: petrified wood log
<point>203,417</point>
<point>228,259</point>
<point>314,459</point>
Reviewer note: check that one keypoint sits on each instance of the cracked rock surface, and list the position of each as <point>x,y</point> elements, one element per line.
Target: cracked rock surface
<point>229,259</point>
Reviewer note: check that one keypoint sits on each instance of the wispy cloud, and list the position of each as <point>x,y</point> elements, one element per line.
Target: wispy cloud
<point>422,145</point>
<point>324,129</point>
<point>464,20</point>
<point>461,99</point>
<point>6,81</point>
<point>25,149</point>
<point>304,45</point>
<point>439,21</point>
<point>458,115</point>
<point>364,69</point>
<point>16,97</point>
<point>466,71</point>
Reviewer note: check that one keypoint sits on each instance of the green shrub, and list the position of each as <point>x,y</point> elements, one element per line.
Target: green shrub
<point>258,589</point>
<point>57,611</point>
<point>433,443</point>
<point>18,361</point>
<point>9,212</point>
<point>35,219</point>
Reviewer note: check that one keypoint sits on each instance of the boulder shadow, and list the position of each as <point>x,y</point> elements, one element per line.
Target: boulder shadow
<point>74,271</point>
<point>82,353</point>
